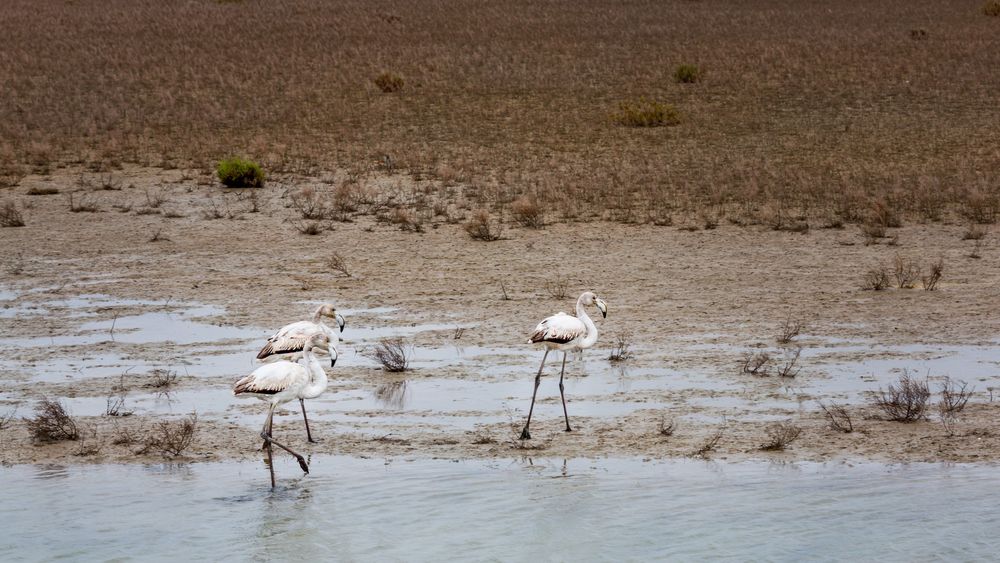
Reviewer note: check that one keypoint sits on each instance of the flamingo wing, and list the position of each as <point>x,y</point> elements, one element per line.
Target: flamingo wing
<point>289,339</point>
<point>559,328</point>
<point>273,378</point>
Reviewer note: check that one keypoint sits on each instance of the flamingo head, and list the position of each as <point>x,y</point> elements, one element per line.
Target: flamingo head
<point>590,298</point>
<point>328,310</point>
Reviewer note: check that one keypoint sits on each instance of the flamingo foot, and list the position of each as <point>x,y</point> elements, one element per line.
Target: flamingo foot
<point>303,464</point>
<point>525,435</point>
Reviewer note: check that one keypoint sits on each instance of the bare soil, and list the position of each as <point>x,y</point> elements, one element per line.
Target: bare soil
<point>694,303</point>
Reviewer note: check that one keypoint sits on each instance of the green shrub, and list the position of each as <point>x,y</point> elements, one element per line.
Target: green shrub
<point>646,113</point>
<point>389,82</point>
<point>687,74</point>
<point>239,173</point>
<point>992,8</point>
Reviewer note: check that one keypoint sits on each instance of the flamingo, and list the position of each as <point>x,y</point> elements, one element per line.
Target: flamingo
<point>288,341</point>
<point>282,381</point>
<point>566,333</point>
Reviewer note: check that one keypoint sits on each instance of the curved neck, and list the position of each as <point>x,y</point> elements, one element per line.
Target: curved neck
<point>317,375</point>
<point>581,314</point>
<point>318,314</point>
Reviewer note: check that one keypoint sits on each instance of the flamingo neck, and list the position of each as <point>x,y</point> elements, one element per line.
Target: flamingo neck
<point>317,375</point>
<point>581,314</point>
<point>318,315</point>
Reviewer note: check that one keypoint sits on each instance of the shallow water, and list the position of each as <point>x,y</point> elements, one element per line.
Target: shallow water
<point>353,509</point>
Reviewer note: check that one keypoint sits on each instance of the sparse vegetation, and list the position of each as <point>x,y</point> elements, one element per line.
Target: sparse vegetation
<point>338,263</point>
<point>840,419</point>
<point>709,445</point>
<point>789,364</point>
<point>646,113</point>
<point>906,401</point>
<point>392,354</point>
<point>116,405</point>
<point>481,226</point>
<point>10,216</point>
<point>974,232</point>
<point>239,173</point>
<point>780,435</point>
<point>83,204</point>
<point>51,423</point>
<point>622,347</point>
<point>557,288</point>
<point>667,427</point>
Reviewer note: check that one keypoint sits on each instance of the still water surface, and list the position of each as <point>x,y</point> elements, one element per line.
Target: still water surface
<point>353,509</point>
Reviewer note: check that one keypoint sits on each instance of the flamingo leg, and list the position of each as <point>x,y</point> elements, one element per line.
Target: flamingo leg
<point>267,444</point>
<point>309,437</point>
<point>267,437</point>
<point>525,435</point>
<point>562,394</point>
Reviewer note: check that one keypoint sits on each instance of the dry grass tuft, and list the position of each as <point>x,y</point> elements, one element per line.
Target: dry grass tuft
<point>389,82</point>
<point>171,438</point>
<point>162,379</point>
<point>646,113</point>
<point>338,263</point>
<point>757,363</point>
<point>780,435</point>
<point>709,445</point>
<point>906,272</point>
<point>906,401</point>
<point>621,350</point>
<point>974,232</point>
<point>51,423</point>
<point>954,396</point>
<point>875,279</point>
<point>933,276</point>
<point>688,74</point>
<point>526,212</point>
<point>667,427</point>
<point>481,226</point>
<point>392,354</point>
<point>840,419</point>
<point>789,329</point>
<point>10,216</point>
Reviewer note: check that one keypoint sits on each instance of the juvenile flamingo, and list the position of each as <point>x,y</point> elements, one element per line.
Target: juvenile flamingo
<point>287,343</point>
<point>282,381</point>
<point>564,332</point>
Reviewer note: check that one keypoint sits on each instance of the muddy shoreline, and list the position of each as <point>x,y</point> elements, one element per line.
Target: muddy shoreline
<point>88,297</point>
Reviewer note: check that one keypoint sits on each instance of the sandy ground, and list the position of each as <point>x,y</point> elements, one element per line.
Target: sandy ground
<point>694,304</point>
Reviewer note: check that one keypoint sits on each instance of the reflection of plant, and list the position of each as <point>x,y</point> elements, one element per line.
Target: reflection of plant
<point>392,394</point>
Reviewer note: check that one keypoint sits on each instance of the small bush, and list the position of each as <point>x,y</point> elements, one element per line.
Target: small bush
<point>389,82</point>
<point>954,396</point>
<point>906,401</point>
<point>757,363</point>
<point>840,419</point>
<point>238,173</point>
<point>645,113</point>
<point>338,263</point>
<point>43,190</point>
<point>710,444</point>
<point>933,276</point>
<point>789,366</point>
<point>974,232</point>
<point>687,74</point>
<point>162,379</point>
<point>557,288</point>
<point>527,213</point>
<point>789,330</point>
<point>482,227</point>
<point>620,352</point>
<point>992,8</point>
<point>906,272</point>
<point>51,423</point>
<point>876,279</point>
<point>780,435</point>
<point>10,216</point>
<point>82,205</point>
<point>392,354</point>
<point>171,438</point>
<point>667,428</point>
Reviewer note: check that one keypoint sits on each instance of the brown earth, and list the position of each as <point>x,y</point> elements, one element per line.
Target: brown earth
<point>693,302</point>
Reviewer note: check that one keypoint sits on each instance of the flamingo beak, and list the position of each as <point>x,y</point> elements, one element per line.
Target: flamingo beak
<point>603,307</point>
<point>340,322</point>
<point>333,356</point>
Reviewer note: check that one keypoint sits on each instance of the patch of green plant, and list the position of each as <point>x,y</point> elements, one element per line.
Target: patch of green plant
<point>687,74</point>
<point>238,173</point>
<point>646,113</point>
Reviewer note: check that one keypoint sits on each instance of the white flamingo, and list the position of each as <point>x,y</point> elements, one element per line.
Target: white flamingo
<point>566,333</point>
<point>288,341</point>
<point>282,381</point>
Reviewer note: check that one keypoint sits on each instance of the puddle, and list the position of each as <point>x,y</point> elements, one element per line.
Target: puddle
<point>351,509</point>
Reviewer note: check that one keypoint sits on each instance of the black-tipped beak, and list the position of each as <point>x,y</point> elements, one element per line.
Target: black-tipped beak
<point>333,362</point>
<point>341,323</point>
<point>604,314</point>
